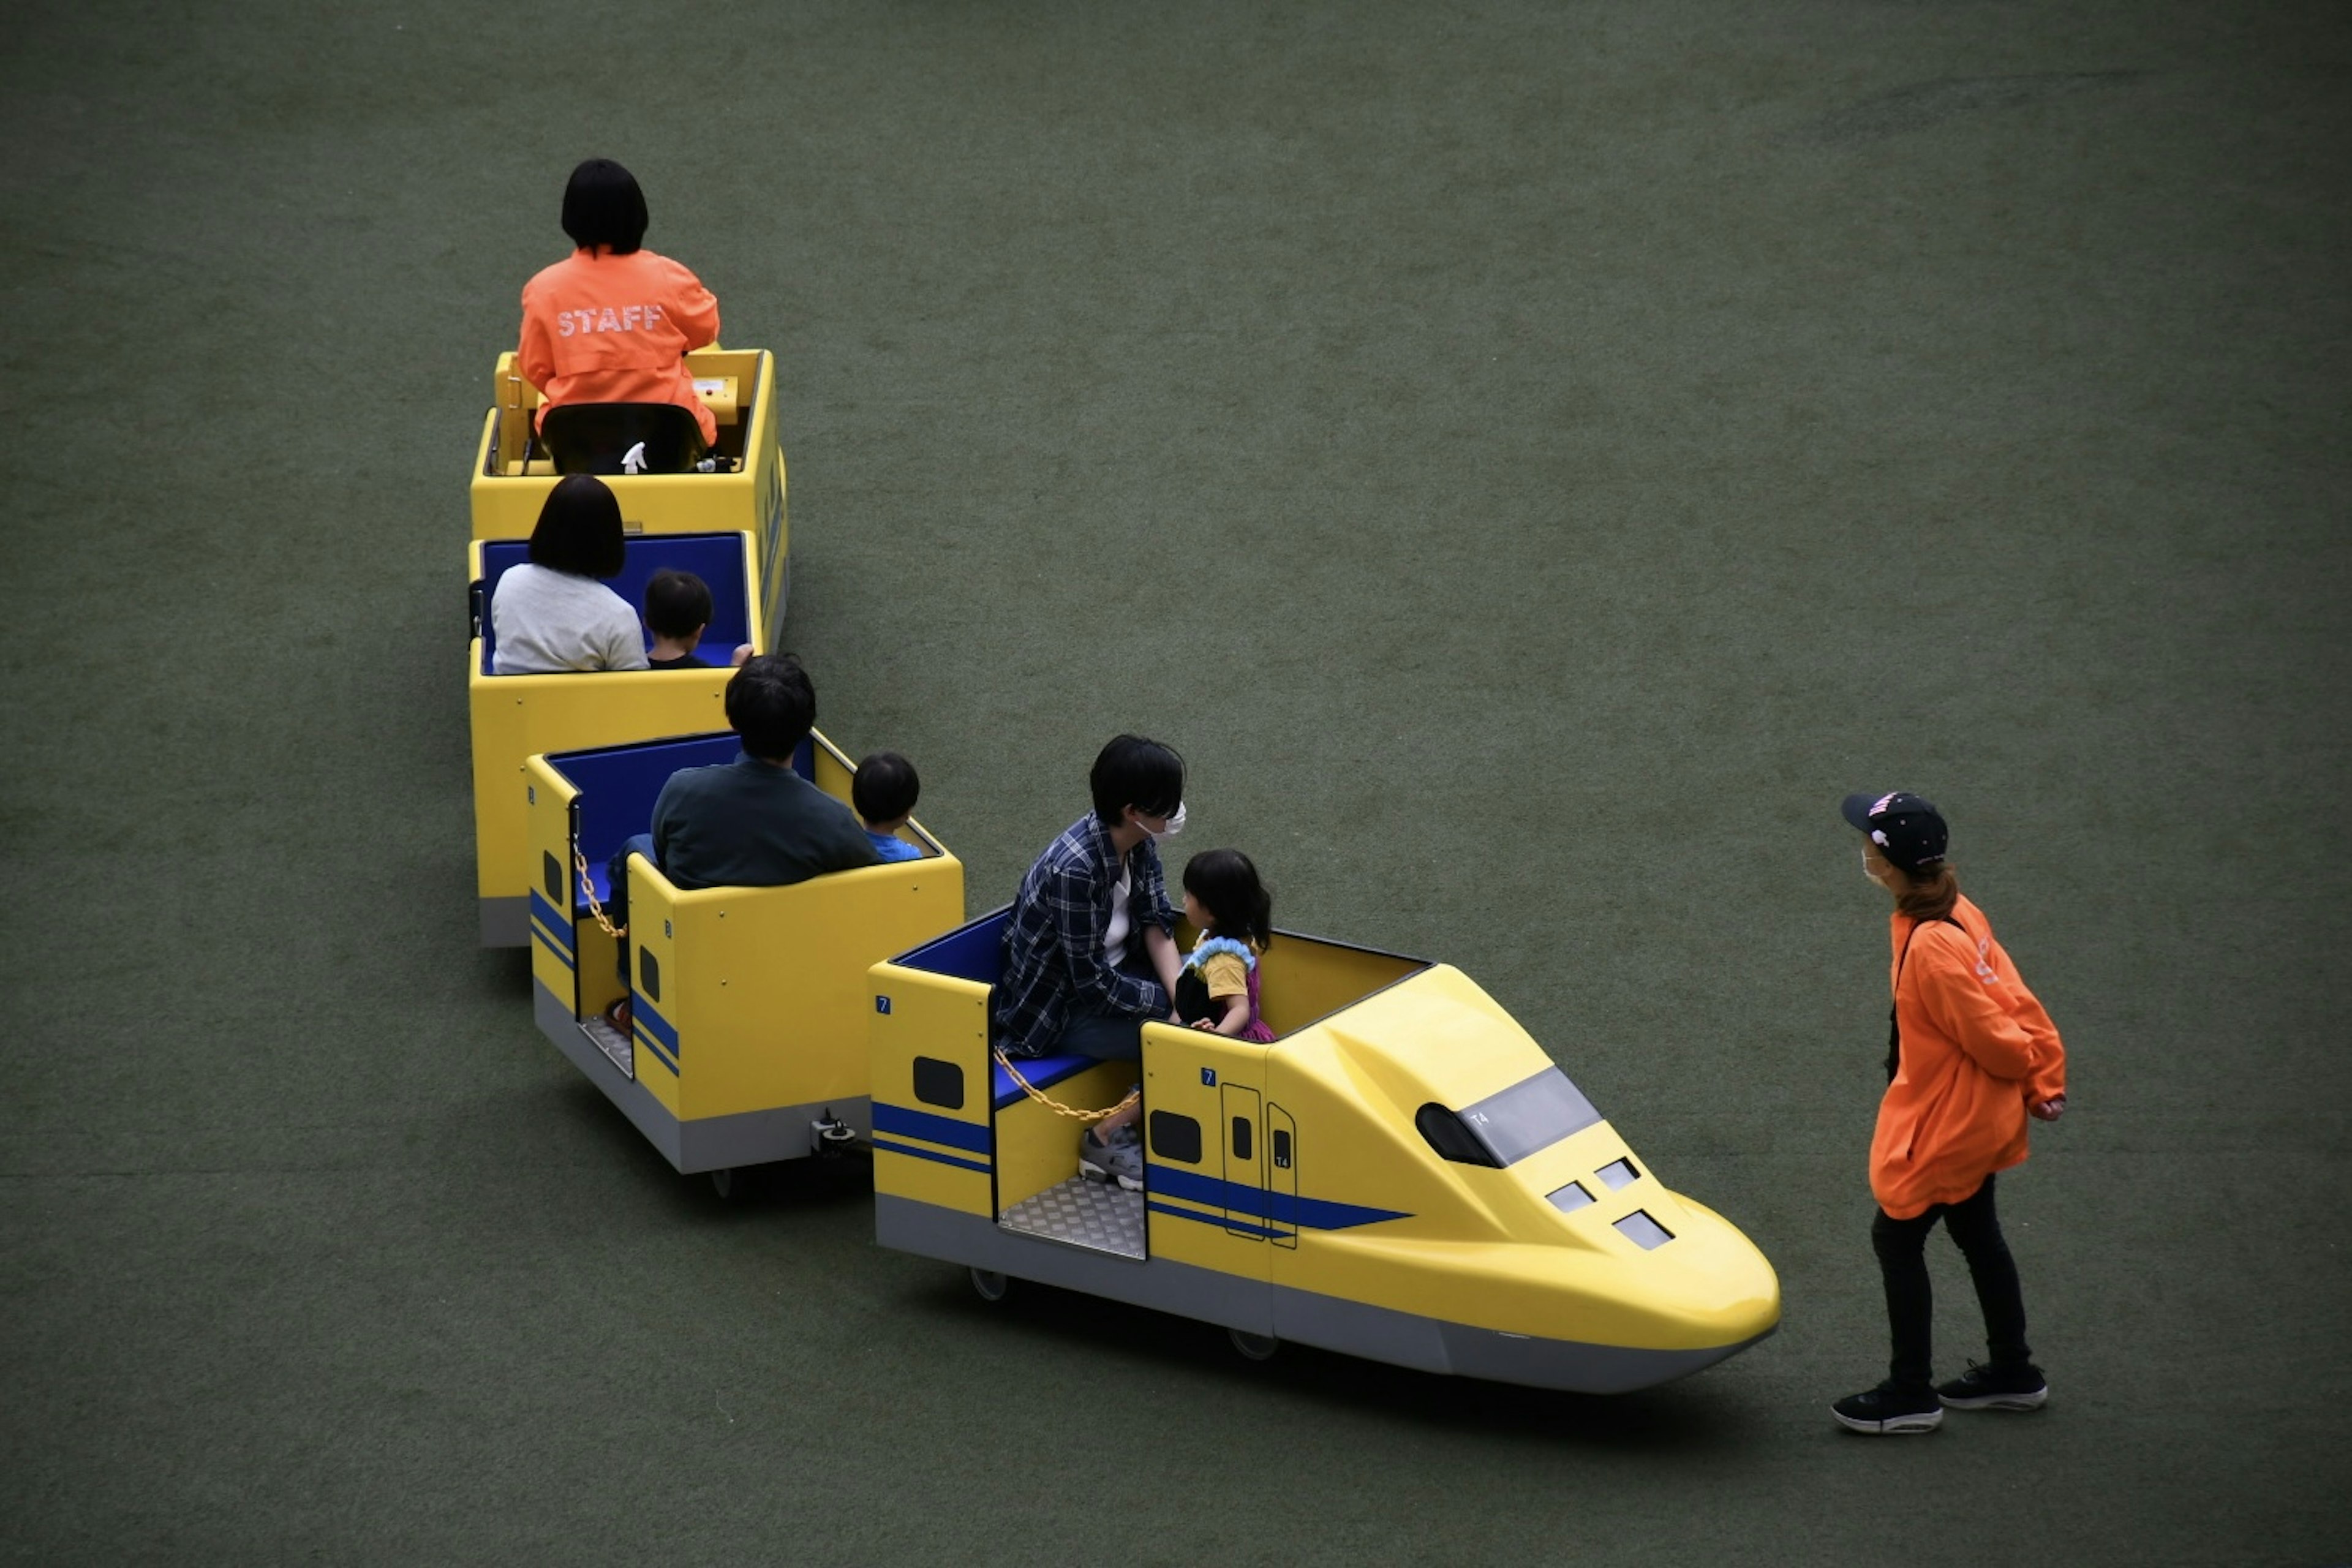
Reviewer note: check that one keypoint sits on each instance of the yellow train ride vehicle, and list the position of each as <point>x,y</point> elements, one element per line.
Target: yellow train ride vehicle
<point>1402,1174</point>
<point>513,470</point>
<point>746,1040</point>
<point>513,715</point>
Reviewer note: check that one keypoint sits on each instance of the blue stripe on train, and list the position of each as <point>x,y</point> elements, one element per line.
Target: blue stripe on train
<point>1283,1208</point>
<point>1220,1221</point>
<point>888,1148</point>
<point>907,1123</point>
<point>650,1020</point>
<point>548,940</point>
<point>558,923</point>
<point>654,1046</point>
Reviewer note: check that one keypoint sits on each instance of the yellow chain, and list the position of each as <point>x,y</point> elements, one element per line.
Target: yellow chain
<point>1055,1106</point>
<point>588,889</point>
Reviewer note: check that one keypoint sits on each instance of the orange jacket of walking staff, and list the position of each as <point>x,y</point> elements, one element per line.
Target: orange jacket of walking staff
<point>1978,1049</point>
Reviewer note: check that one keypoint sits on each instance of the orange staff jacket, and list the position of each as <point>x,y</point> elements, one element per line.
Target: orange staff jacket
<point>600,328</point>
<point>1977,1050</point>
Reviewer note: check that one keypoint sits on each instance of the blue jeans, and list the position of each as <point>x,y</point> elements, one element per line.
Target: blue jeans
<point>616,872</point>
<point>1103,1035</point>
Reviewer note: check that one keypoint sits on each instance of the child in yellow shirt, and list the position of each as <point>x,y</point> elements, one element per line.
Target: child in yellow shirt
<point>1217,987</point>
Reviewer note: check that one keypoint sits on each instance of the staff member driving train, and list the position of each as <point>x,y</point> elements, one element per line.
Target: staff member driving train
<point>612,321</point>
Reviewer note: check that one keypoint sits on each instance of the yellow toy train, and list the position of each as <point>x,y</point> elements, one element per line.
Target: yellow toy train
<point>513,715</point>
<point>1402,1174</point>
<point>747,1020</point>
<point>513,470</point>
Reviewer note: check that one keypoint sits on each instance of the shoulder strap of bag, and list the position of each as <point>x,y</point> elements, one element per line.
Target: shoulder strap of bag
<point>1894,1029</point>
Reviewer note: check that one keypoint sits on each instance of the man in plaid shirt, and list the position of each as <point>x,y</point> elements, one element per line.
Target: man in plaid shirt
<point>1090,949</point>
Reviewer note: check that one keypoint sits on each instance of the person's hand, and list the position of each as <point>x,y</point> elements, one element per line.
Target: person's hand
<point>742,652</point>
<point>2049,1109</point>
<point>1205,1025</point>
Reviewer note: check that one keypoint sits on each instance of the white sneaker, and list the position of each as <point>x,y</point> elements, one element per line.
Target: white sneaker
<point>1121,1160</point>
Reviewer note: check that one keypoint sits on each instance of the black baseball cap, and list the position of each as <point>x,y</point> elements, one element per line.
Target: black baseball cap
<point>1908,831</point>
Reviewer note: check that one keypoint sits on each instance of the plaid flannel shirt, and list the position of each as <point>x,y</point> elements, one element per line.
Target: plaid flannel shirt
<point>1053,957</point>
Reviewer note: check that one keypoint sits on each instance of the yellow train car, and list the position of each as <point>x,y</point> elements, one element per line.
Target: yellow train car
<point>747,1041</point>
<point>513,473</point>
<point>513,715</point>
<point>1401,1175</point>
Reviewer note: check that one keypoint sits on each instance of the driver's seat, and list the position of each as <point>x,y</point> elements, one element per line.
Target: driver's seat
<point>596,438</point>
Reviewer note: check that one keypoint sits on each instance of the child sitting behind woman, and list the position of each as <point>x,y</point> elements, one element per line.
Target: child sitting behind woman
<point>678,612</point>
<point>883,790</point>
<point>1217,987</point>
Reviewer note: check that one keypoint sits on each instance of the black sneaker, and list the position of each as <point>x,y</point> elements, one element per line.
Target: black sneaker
<point>1996,1388</point>
<point>1887,1411</point>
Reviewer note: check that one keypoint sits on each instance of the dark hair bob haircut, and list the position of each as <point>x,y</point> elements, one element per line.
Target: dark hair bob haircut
<point>1227,886</point>
<point>1132,771</point>
<point>772,704</point>
<point>579,529</point>
<point>678,604</point>
<point>603,206</point>
<point>884,787</point>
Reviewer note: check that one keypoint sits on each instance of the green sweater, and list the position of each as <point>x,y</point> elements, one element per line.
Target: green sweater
<point>750,823</point>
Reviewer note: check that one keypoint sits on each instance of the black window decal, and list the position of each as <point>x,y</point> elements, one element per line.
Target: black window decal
<point>1175,1137</point>
<point>648,974</point>
<point>1450,1137</point>
<point>552,869</point>
<point>1281,1149</point>
<point>1241,1138</point>
<point>938,1083</point>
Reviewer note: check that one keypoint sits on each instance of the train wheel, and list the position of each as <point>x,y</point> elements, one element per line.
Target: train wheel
<point>991,1286</point>
<point>1254,1347</point>
<point>722,1182</point>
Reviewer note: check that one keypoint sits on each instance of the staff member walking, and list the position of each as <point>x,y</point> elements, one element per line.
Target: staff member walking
<point>1971,1054</point>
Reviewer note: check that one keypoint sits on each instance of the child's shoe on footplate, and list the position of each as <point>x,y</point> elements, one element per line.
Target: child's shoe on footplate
<point>1121,1160</point>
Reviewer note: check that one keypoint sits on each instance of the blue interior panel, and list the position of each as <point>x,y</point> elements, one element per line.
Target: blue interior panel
<point>716,558</point>
<point>1043,1072</point>
<point>972,951</point>
<point>618,785</point>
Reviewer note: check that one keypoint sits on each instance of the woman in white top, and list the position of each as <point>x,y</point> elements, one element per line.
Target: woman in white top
<point>553,615</point>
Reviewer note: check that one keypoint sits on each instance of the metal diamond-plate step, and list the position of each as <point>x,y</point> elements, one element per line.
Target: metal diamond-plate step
<point>1100,1216</point>
<point>612,1043</point>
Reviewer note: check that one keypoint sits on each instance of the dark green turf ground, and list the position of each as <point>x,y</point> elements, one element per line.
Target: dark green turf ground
<point>1533,457</point>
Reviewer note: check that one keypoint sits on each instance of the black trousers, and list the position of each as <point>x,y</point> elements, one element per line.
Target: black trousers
<point>1975,1228</point>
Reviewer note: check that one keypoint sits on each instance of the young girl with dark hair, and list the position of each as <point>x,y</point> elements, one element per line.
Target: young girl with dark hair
<point>553,614</point>
<point>1217,988</point>
<point>611,322</point>
<point>1970,1055</point>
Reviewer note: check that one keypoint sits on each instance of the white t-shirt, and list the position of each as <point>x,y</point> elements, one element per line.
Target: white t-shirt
<point>1115,933</point>
<point>545,622</point>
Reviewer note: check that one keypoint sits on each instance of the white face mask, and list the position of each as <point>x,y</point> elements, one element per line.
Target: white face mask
<point>1868,872</point>
<point>1175,825</point>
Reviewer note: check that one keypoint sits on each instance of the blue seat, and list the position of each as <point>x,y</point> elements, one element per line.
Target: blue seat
<point>1041,1072</point>
<point>600,873</point>
<point>716,558</point>
<point>976,951</point>
<point>619,784</point>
